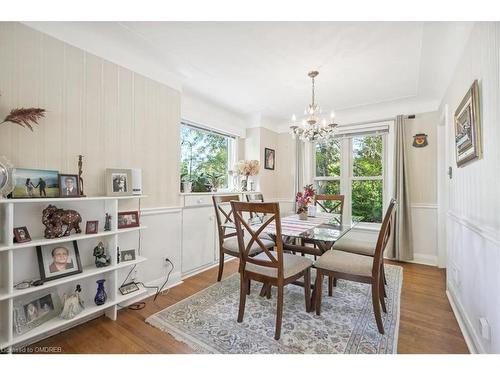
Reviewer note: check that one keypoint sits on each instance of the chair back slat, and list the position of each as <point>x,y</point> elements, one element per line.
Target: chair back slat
<point>384,236</point>
<point>254,197</point>
<point>224,214</point>
<point>245,226</point>
<point>330,203</point>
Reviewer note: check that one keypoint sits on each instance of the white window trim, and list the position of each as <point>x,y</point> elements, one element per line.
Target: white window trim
<point>232,148</point>
<point>386,130</point>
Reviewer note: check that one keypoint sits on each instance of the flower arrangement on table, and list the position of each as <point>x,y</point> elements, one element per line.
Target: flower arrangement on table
<point>247,168</point>
<point>304,199</point>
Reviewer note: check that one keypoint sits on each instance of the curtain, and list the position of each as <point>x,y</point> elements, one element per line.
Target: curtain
<point>402,233</point>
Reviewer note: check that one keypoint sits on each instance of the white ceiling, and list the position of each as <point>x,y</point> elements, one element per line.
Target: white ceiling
<point>261,67</point>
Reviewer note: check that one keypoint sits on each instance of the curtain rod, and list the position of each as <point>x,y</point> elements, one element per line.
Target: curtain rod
<point>381,120</point>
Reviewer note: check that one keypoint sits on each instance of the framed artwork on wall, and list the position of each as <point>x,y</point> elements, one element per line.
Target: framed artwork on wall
<point>468,127</point>
<point>269,158</point>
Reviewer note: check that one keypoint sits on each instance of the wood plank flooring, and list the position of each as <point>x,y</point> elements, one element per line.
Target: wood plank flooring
<point>427,322</point>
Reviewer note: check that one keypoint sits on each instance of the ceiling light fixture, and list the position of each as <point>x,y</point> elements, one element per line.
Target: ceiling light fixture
<point>313,127</point>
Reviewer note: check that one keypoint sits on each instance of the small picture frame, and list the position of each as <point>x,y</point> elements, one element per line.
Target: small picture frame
<point>128,219</point>
<point>269,158</point>
<point>91,227</point>
<point>128,288</point>
<point>21,234</point>
<point>69,186</point>
<point>118,182</point>
<point>58,260</point>
<point>32,310</point>
<point>127,255</point>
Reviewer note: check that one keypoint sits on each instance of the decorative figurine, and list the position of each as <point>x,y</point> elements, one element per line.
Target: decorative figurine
<point>54,218</point>
<point>107,223</point>
<point>101,259</point>
<point>101,296</point>
<point>73,304</point>
<point>80,172</point>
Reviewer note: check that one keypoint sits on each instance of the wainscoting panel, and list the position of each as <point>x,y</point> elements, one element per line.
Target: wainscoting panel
<point>424,220</point>
<point>473,280</point>
<point>161,239</point>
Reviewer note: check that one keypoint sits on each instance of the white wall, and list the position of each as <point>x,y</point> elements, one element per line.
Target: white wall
<point>473,275</point>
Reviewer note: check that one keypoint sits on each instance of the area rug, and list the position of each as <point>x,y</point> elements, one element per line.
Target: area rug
<point>207,323</point>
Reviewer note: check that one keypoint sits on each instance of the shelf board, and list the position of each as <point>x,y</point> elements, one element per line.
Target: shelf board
<point>75,199</point>
<point>72,237</point>
<point>87,272</point>
<point>59,322</point>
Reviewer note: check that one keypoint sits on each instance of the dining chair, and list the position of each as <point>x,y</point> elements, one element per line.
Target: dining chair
<point>273,268</point>
<point>332,204</point>
<point>228,242</point>
<point>359,268</point>
<point>255,197</point>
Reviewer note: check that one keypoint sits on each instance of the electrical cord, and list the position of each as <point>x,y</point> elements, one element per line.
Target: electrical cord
<point>166,281</point>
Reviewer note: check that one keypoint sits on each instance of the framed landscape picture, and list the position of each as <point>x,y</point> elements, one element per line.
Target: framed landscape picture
<point>269,158</point>
<point>35,183</point>
<point>468,127</point>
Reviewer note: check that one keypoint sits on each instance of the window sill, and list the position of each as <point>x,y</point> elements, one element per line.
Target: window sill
<point>227,192</point>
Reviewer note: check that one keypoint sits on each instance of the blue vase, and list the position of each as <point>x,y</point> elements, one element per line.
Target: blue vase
<point>101,296</point>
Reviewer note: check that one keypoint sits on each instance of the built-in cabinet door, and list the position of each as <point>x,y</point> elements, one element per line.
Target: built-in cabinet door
<point>198,238</point>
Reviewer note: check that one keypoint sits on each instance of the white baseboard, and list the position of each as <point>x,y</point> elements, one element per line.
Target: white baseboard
<point>426,259</point>
<point>470,336</point>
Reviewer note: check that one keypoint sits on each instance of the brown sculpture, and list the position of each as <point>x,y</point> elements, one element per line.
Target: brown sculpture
<point>55,218</point>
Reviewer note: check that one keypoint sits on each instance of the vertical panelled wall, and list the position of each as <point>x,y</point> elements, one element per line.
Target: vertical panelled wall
<point>473,218</point>
<point>113,116</point>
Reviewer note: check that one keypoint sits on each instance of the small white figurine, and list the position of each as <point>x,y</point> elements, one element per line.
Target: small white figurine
<point>73,304</point>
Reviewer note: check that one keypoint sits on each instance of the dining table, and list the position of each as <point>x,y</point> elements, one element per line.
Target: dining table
<point>321,230</point>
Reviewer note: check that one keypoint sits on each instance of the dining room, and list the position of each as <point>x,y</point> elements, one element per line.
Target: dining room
<point>233,194</point>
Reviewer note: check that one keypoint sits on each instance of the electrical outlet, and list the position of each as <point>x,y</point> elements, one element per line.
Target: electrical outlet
<point>485,328</point>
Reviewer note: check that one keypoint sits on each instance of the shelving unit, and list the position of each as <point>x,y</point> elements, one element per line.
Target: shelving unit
<point>17,258</point>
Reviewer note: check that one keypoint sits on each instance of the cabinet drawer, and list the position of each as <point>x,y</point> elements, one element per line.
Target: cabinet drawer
<point>201,200</point>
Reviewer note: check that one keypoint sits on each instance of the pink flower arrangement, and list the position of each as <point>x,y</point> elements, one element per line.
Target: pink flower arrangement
<point>303,199</point>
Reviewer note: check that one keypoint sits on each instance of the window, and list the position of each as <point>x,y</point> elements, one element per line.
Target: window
<point>205,157</point>
<point>353,166</point>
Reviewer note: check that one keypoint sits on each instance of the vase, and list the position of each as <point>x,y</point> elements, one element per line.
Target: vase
<point>303,215</point>
<point>100,296</point>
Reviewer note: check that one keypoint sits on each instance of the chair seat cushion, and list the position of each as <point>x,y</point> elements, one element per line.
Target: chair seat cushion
<point>231,244</point>
<point>357,242</point>
<point>292,265</point>
<point>340,261</point>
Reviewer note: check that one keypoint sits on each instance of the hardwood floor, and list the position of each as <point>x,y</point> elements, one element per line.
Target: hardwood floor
<point>427,322</point>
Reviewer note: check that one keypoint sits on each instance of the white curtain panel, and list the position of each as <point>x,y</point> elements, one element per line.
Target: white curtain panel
<point>402,248</point>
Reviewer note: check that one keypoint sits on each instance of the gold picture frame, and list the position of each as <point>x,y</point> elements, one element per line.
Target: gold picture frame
<point>468,145</point>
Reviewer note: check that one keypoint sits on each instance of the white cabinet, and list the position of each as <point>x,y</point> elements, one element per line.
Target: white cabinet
<point>198,238</point>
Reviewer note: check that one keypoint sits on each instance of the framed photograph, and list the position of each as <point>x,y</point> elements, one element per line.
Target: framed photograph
<point>128,219</point>
<point>128,288</point>
<point>127,255</point>
<point>118,182</point>
<point>468,127</point>
<point>34,309</point>
<point>35,183</point>
<point>58,260</point>
<point>91,227</point>
<point>21,234</point>
<point>69,185</point>
<point>269,158</point>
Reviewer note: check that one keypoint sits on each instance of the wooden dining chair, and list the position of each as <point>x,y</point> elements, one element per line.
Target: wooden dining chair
<point>332,204</point>
<point>359,268</point>
<point>273,268</point>
<point>255,197</point>
<point>228,241</point>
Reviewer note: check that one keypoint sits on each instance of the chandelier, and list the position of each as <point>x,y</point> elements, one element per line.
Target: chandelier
<point>313,127</point>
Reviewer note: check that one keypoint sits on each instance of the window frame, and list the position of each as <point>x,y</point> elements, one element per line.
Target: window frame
<point>347,177</point>
<point>232,148</point>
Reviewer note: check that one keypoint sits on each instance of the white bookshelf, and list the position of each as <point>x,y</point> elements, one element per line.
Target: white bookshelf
<point>18,262</point>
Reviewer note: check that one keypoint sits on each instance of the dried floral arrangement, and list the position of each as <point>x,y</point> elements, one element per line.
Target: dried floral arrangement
<point>247,167</point>
<point>25,117</point>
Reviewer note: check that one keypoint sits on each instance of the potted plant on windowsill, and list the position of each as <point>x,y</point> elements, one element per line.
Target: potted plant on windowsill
<point>214,179</point>
<point>187,183</point>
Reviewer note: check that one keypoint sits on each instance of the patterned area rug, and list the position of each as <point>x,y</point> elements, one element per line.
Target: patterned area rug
<point>207,323</point>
